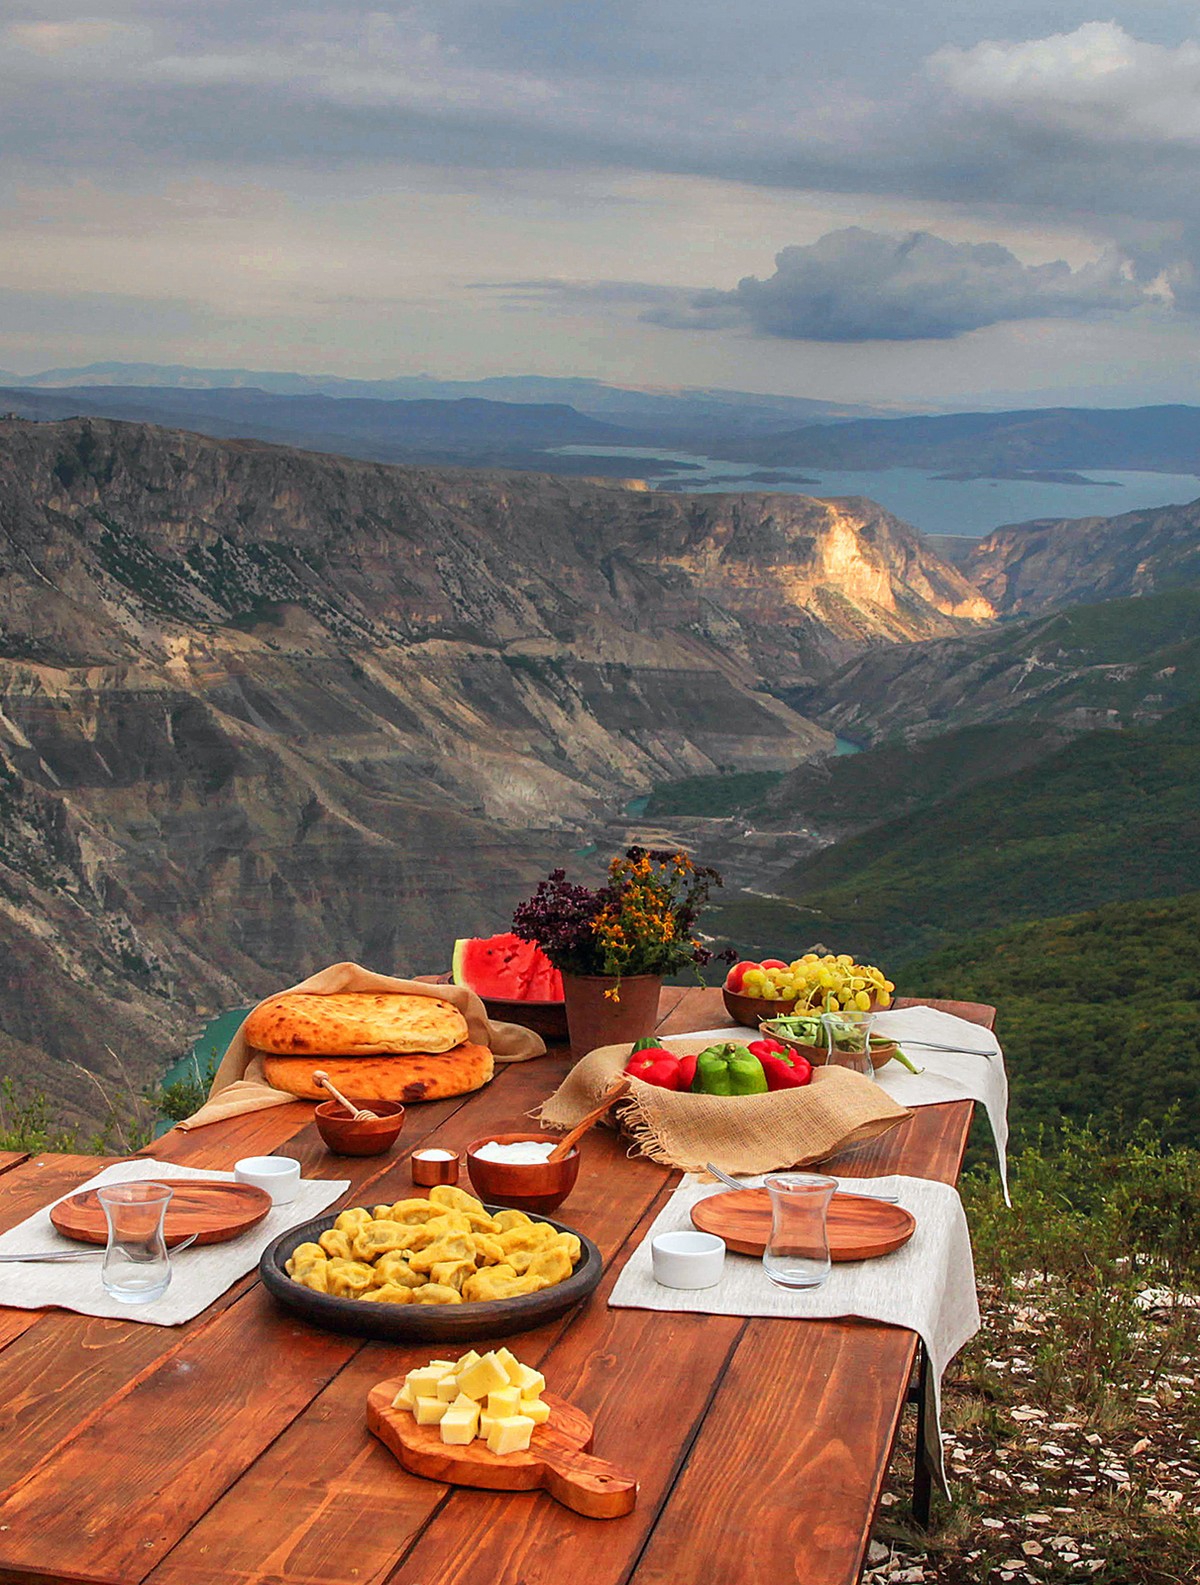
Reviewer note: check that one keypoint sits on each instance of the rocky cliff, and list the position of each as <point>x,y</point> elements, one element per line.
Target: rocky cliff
<point>1043,565</point>
<point>261,709</point>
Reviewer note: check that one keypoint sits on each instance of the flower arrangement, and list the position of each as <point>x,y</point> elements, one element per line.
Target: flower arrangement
<point>642,922</point>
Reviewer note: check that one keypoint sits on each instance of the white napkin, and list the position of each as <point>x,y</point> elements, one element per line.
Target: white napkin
<point>199,1275</point>
<point>928,1285</point>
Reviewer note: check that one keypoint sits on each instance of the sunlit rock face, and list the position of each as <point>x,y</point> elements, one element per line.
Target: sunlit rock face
<point>260,709</point>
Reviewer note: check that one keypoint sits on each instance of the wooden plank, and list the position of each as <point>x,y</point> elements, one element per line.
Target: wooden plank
<point>12,1158</point>
<point>183,1433</point>
<point>26,1188</point>
<point>267,1526</point>
<point>973,1012</point>
<point>779,1486</point>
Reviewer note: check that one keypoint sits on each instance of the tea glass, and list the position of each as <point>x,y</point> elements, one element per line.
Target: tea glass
<point>797,1252</point>
<point>136,1267</point>
<point>853,1029</point>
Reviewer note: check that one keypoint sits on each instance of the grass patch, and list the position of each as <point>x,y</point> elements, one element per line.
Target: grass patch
<point>1073,1417</point>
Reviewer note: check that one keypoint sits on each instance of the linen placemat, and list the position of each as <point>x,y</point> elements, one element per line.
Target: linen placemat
<point>199,1275</point>
<point>928,1285</point>
<point>946,1076</point>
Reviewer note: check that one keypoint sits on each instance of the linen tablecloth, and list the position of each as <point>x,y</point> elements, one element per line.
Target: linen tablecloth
<point>198,1276</point>
<point>928,1285</point>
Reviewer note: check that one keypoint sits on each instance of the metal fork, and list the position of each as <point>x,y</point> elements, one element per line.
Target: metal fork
<point>55,1255</point>
<point>859,1194</point>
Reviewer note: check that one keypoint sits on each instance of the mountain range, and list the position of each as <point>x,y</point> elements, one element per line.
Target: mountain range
<point>262,709</point>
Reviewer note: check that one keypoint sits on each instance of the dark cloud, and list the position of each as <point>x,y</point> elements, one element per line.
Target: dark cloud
<point>857,285</point>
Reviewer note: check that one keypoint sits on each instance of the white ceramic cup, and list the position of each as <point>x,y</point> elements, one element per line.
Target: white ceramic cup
<point>278,1175</point>
<point>687,1260</point>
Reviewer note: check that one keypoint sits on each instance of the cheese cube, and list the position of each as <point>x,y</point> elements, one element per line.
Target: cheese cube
<point>505,1402</point>
<point>535,1410</point>
<point>510,1362</point>
<point>511,1435</point>
<point>486,1375</point>
<point>469,1358</point>
<point>447,1388</point>
<point>530,1383</point>
<point>428,1411</point>
<point>442,1365</point>
<point>487,1421</point>
<point>464,1405</point>
<point>404,1399</point>
<point>423,1383</point>
<point>458,1427</point>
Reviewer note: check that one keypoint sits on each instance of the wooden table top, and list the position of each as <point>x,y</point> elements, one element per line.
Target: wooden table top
<point>233,1450</point>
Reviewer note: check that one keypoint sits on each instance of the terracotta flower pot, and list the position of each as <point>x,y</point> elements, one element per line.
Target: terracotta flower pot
<point>594,1019</point>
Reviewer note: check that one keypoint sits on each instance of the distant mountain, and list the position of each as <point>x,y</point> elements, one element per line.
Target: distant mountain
<point>1119,662</point>
<point>1038,440</point>
<point>1112,816</point>
<point>1043,565</point>
<point>261,709</point>
<point>467,430</point>
<point>685,412</point>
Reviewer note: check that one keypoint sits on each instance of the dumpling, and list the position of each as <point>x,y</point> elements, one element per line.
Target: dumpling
<point>335,1241</point>
<point>394,1268</point>
<point>347,1279</point>
<point>390,1293</point>
<point>506,1220</point>
<point>456,1247</point>
<point>445,1194</point>
<point>435,1293</point>
<point>350,1221</point>
<point>452,1273</point>
<point>377,1238</point>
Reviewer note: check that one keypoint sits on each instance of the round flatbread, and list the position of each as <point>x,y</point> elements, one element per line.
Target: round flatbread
<point>354,1024</point>
<point>415,1076</point>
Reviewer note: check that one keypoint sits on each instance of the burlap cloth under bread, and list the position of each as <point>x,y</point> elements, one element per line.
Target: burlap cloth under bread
<point>239,1085</point>
<point>739,1133</point>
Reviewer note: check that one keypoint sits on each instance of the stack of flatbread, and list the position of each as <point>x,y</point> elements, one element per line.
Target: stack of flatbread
<point>374,1046</point>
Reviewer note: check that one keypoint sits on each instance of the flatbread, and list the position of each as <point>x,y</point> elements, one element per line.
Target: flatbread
<point>414,1076</point>
<point>354,1024</point>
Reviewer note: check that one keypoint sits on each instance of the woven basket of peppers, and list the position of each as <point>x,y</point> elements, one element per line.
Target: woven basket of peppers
<point>728,1067</point>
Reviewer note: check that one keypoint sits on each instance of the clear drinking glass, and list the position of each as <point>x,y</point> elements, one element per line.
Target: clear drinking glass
<point>136,1267</point>
<point>848,1039</point>
<point>797,1253</point>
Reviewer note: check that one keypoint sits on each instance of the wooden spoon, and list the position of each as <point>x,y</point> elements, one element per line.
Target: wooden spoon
<point>581,1127</point>
<point>357,1115</point>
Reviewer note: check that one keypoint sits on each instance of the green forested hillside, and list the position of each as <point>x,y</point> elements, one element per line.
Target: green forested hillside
<point>1099,1014</point>
<point>1114,815</point>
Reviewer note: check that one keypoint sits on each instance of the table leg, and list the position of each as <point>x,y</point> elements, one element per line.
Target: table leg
<point>922,1488</point>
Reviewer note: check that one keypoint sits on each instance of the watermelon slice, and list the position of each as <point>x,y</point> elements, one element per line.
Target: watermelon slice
<point>505,968</point>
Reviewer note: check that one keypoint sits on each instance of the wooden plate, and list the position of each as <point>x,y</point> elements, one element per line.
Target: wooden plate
<point>557,1458</point>
<point>432,1323</point>
<point>859,1229</point>
<point>214,1211</point>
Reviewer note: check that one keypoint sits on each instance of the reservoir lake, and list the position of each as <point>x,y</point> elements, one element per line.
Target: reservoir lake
<point>971,507</point>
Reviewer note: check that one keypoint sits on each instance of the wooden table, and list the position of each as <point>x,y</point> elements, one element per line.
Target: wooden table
<point>233,1450</point>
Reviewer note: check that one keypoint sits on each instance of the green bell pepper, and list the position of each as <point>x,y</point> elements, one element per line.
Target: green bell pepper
<point>729,1069</point>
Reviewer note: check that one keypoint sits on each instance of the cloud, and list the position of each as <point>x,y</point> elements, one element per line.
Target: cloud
<point>858,285</point>
<point>1098,82</point>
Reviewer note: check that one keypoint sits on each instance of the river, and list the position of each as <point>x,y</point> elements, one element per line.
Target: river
<point>971,507</point>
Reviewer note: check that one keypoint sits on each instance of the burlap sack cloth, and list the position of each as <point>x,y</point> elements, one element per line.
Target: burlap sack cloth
<point>239,1085</point>
<point>740,1133</point>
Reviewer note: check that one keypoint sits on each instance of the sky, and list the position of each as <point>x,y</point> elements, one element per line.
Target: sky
<point>942,204</point>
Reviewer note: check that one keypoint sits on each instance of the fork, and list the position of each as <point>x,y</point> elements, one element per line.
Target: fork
<point>858,1194</point>
<point>54,1255</point>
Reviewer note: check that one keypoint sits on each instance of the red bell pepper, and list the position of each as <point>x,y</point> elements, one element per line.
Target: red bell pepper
<point>768,1046</point>
<point>657,1065</point>
<point>786,1070</point>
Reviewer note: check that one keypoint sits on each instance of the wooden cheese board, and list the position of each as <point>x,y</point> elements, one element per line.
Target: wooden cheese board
<point>211,1210</point>
<point>859,1228</point>
<point>558,1460</point>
